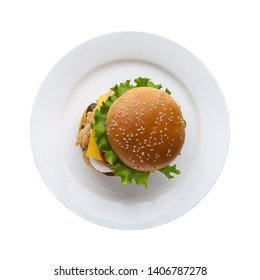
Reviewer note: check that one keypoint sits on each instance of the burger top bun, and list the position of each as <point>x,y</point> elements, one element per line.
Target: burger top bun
<point>145,128</point>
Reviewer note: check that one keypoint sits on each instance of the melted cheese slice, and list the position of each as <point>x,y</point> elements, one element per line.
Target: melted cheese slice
<point>93,150</point>
<point>103,98</point>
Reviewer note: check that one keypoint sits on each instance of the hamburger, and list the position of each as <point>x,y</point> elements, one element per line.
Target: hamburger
<point>131,131</point>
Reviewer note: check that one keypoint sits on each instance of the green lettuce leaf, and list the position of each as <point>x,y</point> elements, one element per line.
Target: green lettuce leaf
<point>119,168</point>
<point>128,174</point>
<point>122,88</point>
<point>167,170</point>
<point>145,82</point>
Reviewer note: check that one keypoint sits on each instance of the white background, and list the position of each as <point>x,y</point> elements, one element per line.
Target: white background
<point>38,233</point>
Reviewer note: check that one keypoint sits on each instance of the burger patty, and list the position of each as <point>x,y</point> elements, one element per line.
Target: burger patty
<point>84,132</point>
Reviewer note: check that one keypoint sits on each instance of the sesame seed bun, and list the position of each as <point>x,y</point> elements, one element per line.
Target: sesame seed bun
<point>145,128</point>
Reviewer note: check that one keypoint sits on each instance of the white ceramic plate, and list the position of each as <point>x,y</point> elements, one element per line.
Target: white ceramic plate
<point>90,70</point>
